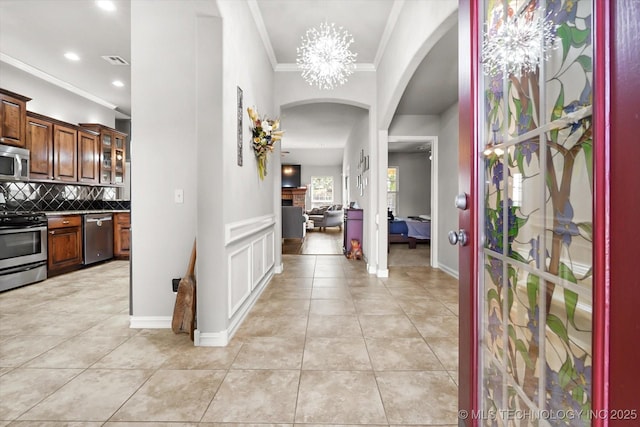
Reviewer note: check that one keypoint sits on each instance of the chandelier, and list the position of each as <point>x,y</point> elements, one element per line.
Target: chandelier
<point>324,56</point>
<point>518,44</point>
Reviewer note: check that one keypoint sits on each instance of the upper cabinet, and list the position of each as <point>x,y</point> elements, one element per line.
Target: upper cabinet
<point>65,153</point>
<point>112,153</point>
<point>13,118</point>
<point>40,146</point>
<point>88,157</point>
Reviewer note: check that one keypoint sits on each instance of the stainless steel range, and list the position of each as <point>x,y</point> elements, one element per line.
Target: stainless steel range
<point>23,249</point>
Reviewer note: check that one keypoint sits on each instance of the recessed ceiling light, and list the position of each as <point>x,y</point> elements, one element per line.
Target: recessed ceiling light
<point>72,56</point>
<point>106,5</point>
<point>117,83</point>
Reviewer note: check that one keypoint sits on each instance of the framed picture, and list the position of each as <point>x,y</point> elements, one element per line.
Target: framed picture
<point>240,115</point>
<point>366,163</point>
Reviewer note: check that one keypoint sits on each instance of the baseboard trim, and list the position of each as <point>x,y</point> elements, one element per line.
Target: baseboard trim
<point>449,271</point>
<point>383,273</point>
<point>150,322</point>
<point>279,268</point>
<point>210,339</point>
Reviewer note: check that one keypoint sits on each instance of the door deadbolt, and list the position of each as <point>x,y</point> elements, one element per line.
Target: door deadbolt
<point>458,237</point>
<point>461,201</point>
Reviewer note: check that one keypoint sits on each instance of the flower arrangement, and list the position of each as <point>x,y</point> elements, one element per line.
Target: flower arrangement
<point>265,134</point>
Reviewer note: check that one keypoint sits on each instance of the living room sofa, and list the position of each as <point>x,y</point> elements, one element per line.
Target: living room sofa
<point>330,216</point>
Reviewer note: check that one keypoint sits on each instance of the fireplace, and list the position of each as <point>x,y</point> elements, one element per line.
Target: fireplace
<point>294,196</point>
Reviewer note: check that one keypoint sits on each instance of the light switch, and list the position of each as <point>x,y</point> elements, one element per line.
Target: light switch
<point>178,195</point>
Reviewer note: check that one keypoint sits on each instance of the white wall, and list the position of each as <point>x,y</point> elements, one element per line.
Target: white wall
<point>414,179</point>
<point>448,187</point>
<point>185,119</point>
<point>307,171</point>
<point>53,101</point>
<point>414,125</point>
<point>419,27</point>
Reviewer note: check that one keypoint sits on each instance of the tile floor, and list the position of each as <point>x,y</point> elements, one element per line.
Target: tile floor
<point>326,344</point>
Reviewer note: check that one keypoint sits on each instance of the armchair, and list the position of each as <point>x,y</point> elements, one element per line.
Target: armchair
<point>329,218</point>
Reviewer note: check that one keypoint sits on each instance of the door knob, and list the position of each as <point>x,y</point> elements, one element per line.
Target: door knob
<point>461,201</point>
<point>458,237</point>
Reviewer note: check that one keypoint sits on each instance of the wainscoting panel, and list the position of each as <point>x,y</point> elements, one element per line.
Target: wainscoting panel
<point>257,251</point>
<point>239,277</point>
<point>251,256</point>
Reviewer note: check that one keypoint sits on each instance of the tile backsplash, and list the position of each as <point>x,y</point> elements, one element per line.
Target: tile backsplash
<point>44,196</point>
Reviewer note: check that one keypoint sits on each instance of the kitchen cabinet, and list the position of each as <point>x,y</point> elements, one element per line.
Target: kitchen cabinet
<point>122,235</point>
<point>112,153</point>
<point>64,244</point>
<point>40,146</point>
<point>13,118</point>
<point>65,153</point>
<point>88,157</point>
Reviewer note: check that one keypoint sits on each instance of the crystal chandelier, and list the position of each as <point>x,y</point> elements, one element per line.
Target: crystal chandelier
<point>518,44</point>
<point>324,56</point>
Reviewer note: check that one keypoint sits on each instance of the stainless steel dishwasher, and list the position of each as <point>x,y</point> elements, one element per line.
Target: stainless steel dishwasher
<point>97,237</point>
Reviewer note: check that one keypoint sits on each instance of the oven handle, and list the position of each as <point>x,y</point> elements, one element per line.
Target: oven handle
<point>20,268</point>
<point>12,230</point>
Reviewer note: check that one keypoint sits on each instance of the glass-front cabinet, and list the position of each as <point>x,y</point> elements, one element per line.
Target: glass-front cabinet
<point>113,154</point>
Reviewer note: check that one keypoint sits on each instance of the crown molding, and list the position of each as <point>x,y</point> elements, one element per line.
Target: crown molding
<point>54,80</point>
<point>262,29</point>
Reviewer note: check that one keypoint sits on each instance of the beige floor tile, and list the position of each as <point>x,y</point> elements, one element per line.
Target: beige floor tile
<point>404,395</point>
<point>20,349</point>
<point>287,293</point>
<point>377,306</point>
<point>138,352</point>
<point>435,326</point>
<point>172,395</point>
<point>281,307</point>
<point>423,305</point>
<point>330,307</point>
<point>397,354</point>
<point>22,388</point>
<point>333,326</point>
<point>446,349</point>
<point>328,282</point>
<point>270,353</point>
<point>116,325</point>
<point>339,398</point>
<point>272,326</point>
<point>373,291</point>
<point>151,424</point>
<point>329,270</point>
<point>94,395</point>
<point>331,293</point>
<point>203,358</point>
<point>336,354</point>
<point>387,326</point>
<point>54,424</point>
<point>255,397</point>
<point>77,352</point>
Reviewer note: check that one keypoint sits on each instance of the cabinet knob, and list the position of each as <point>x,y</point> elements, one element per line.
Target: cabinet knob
<point>2,139</point>
<point>52,232</point>
<point>65,222</point>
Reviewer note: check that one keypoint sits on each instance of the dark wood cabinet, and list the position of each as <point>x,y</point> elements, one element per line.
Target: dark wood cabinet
<point>65,153</point>
<point>112,153</point>
<point>13,118</point>
<point>122,235</point>
<point>64,244</point>
<point>40,146</point>
<point>88,157</point>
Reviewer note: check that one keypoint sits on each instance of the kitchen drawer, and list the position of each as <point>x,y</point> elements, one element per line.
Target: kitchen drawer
<point>65,221</point>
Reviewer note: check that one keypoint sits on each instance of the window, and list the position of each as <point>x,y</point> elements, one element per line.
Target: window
<point>392,189</point>
<point>321,190</point>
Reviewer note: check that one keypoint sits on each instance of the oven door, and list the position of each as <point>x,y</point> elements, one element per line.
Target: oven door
<point>24,245</point>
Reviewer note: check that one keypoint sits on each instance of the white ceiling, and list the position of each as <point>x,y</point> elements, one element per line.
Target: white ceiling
<point>34,35</point>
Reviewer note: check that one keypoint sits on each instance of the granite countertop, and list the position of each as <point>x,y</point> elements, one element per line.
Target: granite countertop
<point>95,211</point>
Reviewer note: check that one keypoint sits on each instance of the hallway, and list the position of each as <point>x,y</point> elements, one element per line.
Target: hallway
<point>325,344</point>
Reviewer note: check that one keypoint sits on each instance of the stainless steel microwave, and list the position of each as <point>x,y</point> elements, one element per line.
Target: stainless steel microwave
<point>14,163</point>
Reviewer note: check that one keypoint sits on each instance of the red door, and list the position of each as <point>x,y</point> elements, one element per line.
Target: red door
<point>545,182</point>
